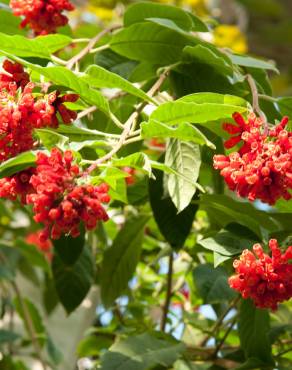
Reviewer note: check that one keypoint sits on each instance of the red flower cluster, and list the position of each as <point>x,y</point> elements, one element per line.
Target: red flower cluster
<point>266,280</point>
<point>21,111</point>
<point>262,168</point>
<point>59,202</point>
<point>45,246</point>
<point>43,16</point>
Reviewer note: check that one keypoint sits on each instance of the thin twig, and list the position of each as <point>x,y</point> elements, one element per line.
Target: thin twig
<point>255,102</point>
<point>90,45</point>
<point>86,112</point>
<point>168,293</point>
<point>220,321</point>
<point>30,325</point>
<point>128,126</point>
<point>222,341</point>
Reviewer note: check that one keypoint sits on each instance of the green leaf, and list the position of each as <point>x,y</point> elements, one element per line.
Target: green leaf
<point>174,227</point>
<point>141,352</point>
<point>51,139</point>
<point>203,54</point>
<point>226,210</point>
<point>115,63</point>
<point>142,11</point>
<point>285,106</point>
<point>7,336</point>
<point>246,61</point>
<point>139,161</point>
<point>34,314</point>
<point>209,97</point>
<point>73,281</point>
<point>253,327</point>
<point>99,77</point>
<point>226,243</point>
<point>183,131</point>
<point>185,158</point>
<point>69,249</point>
<point>150,42</point>
<point>40,47</point>
<point>212,284</point>
<point>179,112</point>
<point>17,164</point>
<point>121,258</point>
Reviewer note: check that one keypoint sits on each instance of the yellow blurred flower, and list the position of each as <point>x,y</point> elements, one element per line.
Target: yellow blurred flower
<point>101,12</point>
<point>230,37</point>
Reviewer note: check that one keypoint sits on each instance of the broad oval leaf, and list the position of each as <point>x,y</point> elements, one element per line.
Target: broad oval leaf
<point>142,10</point>
<point>99,77</point>
<point>40,47</point>
<point>209,97</point>
<point>150,42</point>
<point>212,284</point>
<point>73,282</point>
<point>185,158</point>
<point>184,131</point>
<point>17,164</point>
<point>141,352</point>
<point>121,258</point>
<point>69,249</point>
<point>254,327</point>
<point>247,61</point>
<point>179,111</point>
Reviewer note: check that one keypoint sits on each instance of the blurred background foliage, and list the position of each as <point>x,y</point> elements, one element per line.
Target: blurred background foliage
<point>261,27</point>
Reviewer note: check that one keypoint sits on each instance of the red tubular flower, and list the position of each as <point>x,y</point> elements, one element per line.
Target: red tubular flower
<point>14,73</point>
<point>58,202</point>
<point>43,16</point>
<point>45,246</point>
<point>238,129</point>
<point>267,280</point>
<point>263,170</point>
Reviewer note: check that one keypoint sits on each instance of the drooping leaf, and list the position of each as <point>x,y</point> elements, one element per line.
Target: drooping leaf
<point>121,258</point>
<point>73,281</point>
<point>185,158</point>
<point>141,352</point>
<point>69,249</point>
<point>173,226</point>
<point>254,326</point>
